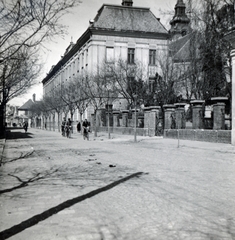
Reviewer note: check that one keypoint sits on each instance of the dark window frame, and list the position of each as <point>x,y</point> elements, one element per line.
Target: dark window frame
<point>152,56</point>
<point>131,55</point>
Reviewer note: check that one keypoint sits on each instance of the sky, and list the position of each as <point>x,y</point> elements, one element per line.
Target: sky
<point>77,22</point>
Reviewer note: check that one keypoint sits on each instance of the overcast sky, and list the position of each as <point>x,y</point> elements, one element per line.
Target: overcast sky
<point>78,22</point>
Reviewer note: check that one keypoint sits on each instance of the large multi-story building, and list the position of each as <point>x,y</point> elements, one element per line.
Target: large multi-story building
<point>117,31</point>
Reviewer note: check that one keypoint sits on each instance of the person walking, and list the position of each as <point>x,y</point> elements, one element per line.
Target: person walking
<point>68,128</point>
<point>79,127</point>
<point>85,126</point>
<point>25,126</point>
<point>63,127</point>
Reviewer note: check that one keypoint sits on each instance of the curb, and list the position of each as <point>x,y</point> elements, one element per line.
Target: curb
<point>3,142</point>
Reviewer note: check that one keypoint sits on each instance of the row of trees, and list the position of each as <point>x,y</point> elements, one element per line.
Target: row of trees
<point>117,81</point>
<point>25,26</point>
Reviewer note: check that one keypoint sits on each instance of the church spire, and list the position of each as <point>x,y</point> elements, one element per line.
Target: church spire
<point>180,22</point>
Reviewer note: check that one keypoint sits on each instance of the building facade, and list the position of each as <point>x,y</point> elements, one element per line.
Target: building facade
<point>117,32</point>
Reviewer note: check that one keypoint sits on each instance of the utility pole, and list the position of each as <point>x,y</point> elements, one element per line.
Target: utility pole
<point>135,137</point>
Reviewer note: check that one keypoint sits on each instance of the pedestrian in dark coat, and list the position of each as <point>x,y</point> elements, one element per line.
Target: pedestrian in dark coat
<point>25,126</point>
<point>79,127</point>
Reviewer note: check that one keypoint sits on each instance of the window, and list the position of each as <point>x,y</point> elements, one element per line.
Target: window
<point>131,56</point>
<point>109,54</point>
<point>152,57</point>
<point>151,85</point>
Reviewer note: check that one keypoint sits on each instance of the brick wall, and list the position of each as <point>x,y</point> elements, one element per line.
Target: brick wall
<point>125,130</point>
<point>220,136</point>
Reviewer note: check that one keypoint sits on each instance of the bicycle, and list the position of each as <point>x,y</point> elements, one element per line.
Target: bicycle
<point>68,131</point>
<point>86,133</point>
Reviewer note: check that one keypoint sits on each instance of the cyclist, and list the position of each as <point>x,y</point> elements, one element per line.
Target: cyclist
<point>85,126</point>
<point>63,127</point>
<point>68,128</point>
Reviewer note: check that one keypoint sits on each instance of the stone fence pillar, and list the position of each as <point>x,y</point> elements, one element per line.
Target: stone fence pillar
<point>141,121</point>
<point>133,117</point>
<point>219,112</point>
<point>180,115</point>
<point>146,117</point>
<point>116,118</point>
<point>169,116</point>
<point>198,115</point>
<point>153,120</point>
<point>109,114</point>
<point>125,118</point>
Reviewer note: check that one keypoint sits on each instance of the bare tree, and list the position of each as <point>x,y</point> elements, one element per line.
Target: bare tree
<point>68,96</point>
<point>30,23</point>
<point>81,99</point>
<point>126,79</point>
<point>19,73</point>
<point>25,25</point>
<point>54,104</point>
<point>99,90</point>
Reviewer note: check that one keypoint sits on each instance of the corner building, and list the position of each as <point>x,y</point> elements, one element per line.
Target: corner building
<point>117,31</point>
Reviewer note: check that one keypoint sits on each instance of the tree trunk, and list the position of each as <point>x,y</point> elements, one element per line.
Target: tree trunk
<point>95,129</point>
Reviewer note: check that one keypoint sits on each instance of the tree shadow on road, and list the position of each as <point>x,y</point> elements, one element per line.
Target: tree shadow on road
<point>50,212</point>
<point>18,135</point>
<point>24,183</point>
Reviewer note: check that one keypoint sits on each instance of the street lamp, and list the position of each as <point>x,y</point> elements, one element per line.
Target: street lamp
<point>108,109</point>
<point>135,138</point>
<point>108,124</point>
<point>230,37</point>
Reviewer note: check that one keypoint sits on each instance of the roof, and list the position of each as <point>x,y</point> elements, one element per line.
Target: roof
<point>123,18</point>
<point>180,48</point>
<point>26,106</point>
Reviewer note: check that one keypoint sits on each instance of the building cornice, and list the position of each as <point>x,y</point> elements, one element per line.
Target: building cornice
<point>132,34</point>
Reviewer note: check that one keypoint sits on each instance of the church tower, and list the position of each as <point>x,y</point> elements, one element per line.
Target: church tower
<point>180,23</point>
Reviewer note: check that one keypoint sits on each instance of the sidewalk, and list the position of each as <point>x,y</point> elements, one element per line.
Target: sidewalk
<point>74,189</point>
<point>223,147</point>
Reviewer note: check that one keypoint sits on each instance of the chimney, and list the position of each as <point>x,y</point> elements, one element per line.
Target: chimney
<point>127,3</point>
<point>34,97</point>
